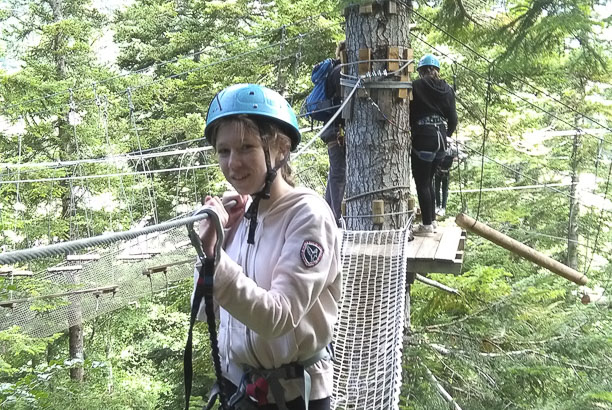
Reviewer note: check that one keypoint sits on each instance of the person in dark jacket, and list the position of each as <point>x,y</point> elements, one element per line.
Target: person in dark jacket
<point>333,136</point>
<point>433,118</point>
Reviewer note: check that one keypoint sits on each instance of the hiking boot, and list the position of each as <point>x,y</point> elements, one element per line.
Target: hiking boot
<point>441,212</point>
<point>423,230</point>
<point>435,226</point>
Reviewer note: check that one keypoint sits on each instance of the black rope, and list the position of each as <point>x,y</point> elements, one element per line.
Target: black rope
<point>204,290</point>
<point>461,195</point>
<point>485,134</point>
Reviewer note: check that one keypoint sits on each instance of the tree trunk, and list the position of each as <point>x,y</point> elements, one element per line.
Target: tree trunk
<point>75,332</point>
<point>574,209</point>
<point>377,123</point>
<point>378,140</point>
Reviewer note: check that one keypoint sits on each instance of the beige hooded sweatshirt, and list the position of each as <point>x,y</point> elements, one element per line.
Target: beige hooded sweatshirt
<point>279,297</point>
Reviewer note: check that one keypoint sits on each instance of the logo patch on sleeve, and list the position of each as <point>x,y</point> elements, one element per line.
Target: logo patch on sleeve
<point>311,253</point>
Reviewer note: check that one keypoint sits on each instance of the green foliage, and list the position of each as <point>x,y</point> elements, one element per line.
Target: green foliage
<point>517,337</point>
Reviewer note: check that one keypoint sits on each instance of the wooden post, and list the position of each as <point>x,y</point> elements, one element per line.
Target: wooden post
<point>520,249</point>
<point>378,208</point>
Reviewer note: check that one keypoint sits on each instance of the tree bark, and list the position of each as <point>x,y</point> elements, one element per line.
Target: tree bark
<point>378,141</point>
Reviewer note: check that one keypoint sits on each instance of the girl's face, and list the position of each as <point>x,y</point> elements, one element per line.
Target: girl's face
<point>241,157</point>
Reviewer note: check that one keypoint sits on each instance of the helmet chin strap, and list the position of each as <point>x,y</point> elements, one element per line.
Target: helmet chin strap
<point>251,213</point>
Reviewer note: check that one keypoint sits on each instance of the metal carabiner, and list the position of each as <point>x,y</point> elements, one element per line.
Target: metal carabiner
<point>195,238</point>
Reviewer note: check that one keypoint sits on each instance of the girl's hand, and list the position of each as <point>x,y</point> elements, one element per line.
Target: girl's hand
<point>237,211</point>
<point>227,218</point>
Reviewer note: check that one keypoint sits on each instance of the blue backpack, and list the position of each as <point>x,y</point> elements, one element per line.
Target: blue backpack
<point>317,101</point>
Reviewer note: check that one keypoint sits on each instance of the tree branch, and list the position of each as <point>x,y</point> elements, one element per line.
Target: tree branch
<point>448,351</point>
<point>466,14</point>
<point>441,388</point>
<point>437,284</point>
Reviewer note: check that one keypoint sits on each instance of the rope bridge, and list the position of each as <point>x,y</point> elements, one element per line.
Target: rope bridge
<point>369,331</point>
<point>89,285</point>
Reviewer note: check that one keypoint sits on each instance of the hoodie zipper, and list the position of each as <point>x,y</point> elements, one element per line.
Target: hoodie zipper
<point>249,336</point>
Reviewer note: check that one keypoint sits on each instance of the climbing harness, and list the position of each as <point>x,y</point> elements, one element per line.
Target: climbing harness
<point>255,384</point>
<point>429,156</point>
<point>432,120</point>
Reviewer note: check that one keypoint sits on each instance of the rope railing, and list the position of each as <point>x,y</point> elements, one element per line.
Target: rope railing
<point>106,239</point>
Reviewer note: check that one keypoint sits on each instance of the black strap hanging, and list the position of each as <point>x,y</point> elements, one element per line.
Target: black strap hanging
<point>204,290</point>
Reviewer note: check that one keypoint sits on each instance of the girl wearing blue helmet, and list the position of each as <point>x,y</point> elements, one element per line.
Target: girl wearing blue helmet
<point>433,118</point>
<point>277,280</point>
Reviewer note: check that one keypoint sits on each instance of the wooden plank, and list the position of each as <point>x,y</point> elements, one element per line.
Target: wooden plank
<point>429,247</point>
<point>17,273</point>
<point>413,247</point>
<point>402,93</point>
<point>134,257</point>
<point>391,7</point>
<point>95,291</point>
<point>364,58</point>
<point>182,244</point>
<point>408,55</point>
<point>366,9</point>
<point>83,258</point>
<point>432,266</point>
<point>393,53</point>
<point>164,268</point>
<point>146,251</point>
<point>70,268</point>
<point>378,208</point>
<point>449,244</point>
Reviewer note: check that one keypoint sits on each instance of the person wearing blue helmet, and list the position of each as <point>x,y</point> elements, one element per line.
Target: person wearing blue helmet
<point>277,279</point>
<point>433,118</point>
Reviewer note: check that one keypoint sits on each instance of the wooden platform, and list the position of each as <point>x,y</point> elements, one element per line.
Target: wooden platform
<point>439,253</point>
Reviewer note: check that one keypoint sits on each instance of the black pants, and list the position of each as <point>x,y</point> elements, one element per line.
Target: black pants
<point>441,181</point>
<point>296,404</point>
<point>423,173</point>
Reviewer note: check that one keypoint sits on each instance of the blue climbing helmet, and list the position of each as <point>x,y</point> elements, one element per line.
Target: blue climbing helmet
<point>253,100</point>
<point>428,59</point>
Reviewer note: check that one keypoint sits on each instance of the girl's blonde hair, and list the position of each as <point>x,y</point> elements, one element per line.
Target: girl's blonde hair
<point>269,132</point>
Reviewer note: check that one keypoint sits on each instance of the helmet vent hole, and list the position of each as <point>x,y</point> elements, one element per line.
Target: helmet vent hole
<point>254,105</point>
<point>252,93</point>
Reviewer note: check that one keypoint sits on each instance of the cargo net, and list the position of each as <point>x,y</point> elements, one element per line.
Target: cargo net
<point>91,284</point>
<point>369,332</point>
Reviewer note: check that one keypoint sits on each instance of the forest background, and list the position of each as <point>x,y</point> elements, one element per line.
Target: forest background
<point>534,98</point>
